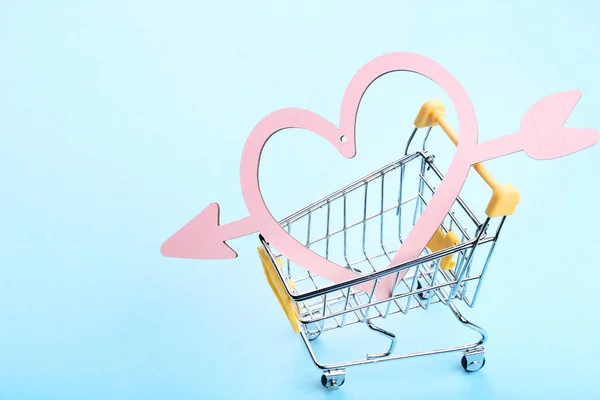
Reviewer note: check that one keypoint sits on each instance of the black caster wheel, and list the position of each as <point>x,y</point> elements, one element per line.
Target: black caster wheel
<point>473,361</point>
<point>312,334</point>
<point>422,295</point>
<point>332,380</point>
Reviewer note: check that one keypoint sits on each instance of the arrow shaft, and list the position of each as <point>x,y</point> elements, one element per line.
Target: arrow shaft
<point>236,229</point>
<point>498,147</point>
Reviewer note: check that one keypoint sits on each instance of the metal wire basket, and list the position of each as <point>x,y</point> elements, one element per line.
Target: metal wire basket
<point>361,226</point>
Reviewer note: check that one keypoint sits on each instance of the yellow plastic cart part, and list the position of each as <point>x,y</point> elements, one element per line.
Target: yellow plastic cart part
<point>290,282</point>
<point>505,197</point>
<point>277,286</point>
<point>441,241</point>
<point>504,201</point>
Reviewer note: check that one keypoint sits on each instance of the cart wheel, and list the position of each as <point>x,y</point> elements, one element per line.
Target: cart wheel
<point>312,334</point>
<point>473,360</point>
<point>312,330</point>
<point>422,295</point>
<point>333,379</point>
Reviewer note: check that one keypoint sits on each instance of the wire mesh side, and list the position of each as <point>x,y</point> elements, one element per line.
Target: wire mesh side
<point>363,225</point>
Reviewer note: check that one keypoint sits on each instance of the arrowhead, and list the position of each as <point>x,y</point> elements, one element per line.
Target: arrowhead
<point>199,238</point>
<point>544,136</point>
<point>551,112</point>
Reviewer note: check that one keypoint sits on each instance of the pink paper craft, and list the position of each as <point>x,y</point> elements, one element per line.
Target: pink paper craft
<point>541,136</point>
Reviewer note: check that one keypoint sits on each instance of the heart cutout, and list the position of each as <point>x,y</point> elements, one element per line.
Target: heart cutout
<point>343,139</point>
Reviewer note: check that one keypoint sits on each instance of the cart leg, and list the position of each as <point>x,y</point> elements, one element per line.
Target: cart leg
<point>385,333</point>
<point>466,323</point>
<point>474,358</point>
<point>334,378</point>
<point>313,330</point>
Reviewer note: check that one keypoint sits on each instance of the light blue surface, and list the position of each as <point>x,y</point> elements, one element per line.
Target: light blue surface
<point>121,120</point>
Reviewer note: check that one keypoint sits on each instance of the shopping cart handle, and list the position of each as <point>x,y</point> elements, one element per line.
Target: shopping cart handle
<point>505,197</point>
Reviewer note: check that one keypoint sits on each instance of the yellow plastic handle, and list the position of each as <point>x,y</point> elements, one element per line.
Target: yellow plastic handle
<point>505,197</point>
<point>278,289</point>
<point>440,241</point>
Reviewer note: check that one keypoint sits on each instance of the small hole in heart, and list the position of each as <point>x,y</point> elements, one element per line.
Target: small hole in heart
<point>343,139</point>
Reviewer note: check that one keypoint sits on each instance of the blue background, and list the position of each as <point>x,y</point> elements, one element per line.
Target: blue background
<point>121,120</point>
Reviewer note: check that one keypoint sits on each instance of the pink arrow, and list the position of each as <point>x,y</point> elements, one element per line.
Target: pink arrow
<point>204,238</point>
<point>541,136</point>
<point>343,139</point>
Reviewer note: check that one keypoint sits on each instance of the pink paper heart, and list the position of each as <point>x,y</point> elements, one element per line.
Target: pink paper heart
<point>304,119</point>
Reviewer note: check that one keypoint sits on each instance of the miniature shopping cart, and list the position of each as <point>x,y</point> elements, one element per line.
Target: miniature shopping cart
<point>360,227</point>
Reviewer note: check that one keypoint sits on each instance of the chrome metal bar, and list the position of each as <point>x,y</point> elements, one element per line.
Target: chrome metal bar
<point>451,215</point>
<point>395,297</point>
<point>465,268</point>
<point>339,193</point>
<point>410,139</point>
<point>458,199</point>
<point>399,209</point>
<point>346,308</point>
<point>346,235</point>
<point>387,309</point>
<point>364,226</point>
<point>327,230</point>
<point>377,214</point>
<point>436,269</point>
<point>370,300</point>
<point>425,138</point>
<point>385,333</point>
<point>470,325</point>
<point>456,313</point>
<point>364,220</point>
<point>419,205</point>
<point>289,268</point>
<point>487,262</point>
<point>373,275</point>
<point>381,204</point>
<point>308,229</point>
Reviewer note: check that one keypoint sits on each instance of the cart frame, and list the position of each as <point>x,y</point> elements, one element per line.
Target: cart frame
<point>329,306</point>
